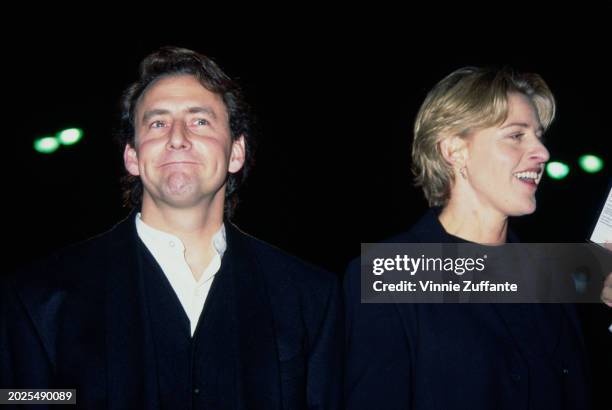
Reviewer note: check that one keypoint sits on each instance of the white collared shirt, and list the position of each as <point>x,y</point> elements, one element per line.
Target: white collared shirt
<point>169,252</point>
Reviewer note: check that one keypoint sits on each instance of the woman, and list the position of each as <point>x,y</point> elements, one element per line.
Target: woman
<point>479,158</point>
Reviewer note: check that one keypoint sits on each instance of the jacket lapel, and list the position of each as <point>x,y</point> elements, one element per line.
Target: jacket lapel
<point>91,321</point>
<point>257,358</point>
<point>130,354</point>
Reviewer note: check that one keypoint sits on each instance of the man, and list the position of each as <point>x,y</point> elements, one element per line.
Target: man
<point>175,307</point>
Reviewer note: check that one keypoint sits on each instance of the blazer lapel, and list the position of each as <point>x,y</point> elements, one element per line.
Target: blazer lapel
<point>67,309</point>
<point>130,354</point>
<point>257,359</point>
<point>88,313</point>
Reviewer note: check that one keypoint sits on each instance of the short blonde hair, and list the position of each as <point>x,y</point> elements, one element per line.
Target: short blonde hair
<point>468,99</point>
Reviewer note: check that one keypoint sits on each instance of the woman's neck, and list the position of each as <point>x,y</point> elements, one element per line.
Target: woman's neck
<point>473,224</point>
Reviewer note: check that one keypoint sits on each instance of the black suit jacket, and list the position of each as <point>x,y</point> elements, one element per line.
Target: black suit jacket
<point>79,320</point>
<point>460,356</point>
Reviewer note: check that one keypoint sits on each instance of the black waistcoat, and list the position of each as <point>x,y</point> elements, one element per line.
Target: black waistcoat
<point>191,370</point>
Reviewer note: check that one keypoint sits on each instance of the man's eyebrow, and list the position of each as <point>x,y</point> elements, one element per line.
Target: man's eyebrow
<point>205,110</point>
<point>152,113</point>
<point>191,110</point>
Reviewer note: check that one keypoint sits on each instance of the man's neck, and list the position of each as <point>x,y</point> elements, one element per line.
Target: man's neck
<point>194,226</point>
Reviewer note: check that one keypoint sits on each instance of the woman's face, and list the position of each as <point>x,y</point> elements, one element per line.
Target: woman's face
<point>504,164</point>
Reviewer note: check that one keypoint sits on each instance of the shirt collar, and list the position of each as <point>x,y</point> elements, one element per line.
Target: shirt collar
<point>161,240</point>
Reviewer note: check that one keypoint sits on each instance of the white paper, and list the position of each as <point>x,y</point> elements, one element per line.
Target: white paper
<point>602,234</point>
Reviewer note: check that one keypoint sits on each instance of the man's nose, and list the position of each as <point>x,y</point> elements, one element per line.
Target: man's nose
<point>178,138</point>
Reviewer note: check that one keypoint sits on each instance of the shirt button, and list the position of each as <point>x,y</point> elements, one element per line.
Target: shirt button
<point>565,371</point>
<point>196,391</point>
<point>516,377</point>
<point>171,244</point>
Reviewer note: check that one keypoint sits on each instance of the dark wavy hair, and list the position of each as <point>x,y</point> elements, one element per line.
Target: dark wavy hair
<point>171,61</point>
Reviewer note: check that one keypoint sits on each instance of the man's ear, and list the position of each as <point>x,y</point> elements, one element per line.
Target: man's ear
<point>130,160</point>
<point>238,155</point>
<point>454,151</point>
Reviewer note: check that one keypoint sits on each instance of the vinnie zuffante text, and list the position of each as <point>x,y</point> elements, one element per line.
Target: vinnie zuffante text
<point>412,266</point>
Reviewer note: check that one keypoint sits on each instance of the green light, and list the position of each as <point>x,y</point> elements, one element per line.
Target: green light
<point>590,163</point>
<point>557,170</point>
<point>46,145</point>
<point>70,136</point>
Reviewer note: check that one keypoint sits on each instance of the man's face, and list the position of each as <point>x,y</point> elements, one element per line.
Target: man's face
<point>505,163</point>
<point>184,149</point>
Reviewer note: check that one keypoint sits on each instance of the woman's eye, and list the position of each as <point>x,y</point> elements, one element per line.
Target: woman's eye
<point>517,136</point>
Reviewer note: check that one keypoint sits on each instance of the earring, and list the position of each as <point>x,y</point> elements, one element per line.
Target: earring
<point>462,172</point>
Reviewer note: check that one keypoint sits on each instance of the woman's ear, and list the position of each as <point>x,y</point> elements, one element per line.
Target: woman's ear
<point>454,150</point>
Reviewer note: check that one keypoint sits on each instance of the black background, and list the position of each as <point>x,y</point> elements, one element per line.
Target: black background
<point>335,95</point>
<point>335,106</point>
